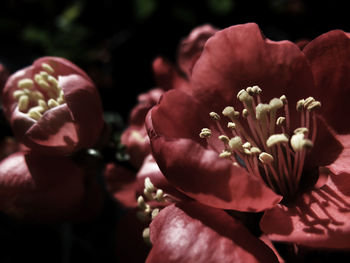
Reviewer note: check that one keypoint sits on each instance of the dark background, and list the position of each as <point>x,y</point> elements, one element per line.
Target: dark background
<point>115,42</point>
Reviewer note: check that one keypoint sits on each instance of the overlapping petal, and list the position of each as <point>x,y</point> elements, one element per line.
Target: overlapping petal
<point>191,232</point>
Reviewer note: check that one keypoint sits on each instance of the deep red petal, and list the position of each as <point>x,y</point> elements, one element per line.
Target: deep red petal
<point>329,56</point>
<point>202,175</point>
<point>54,133</point>
<point>190,232</point>
<point>320,218</point>
<point>39,187</point>
<point>238,57</point>
<point>342,164</point>
<point>85,106</point>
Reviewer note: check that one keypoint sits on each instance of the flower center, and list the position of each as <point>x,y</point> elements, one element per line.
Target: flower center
<point>258,138</point>
<point>36,96</point>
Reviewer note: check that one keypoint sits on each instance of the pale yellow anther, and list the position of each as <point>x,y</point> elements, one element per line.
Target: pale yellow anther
<point>141,202</point>
<point>23,103</point>
<point>53,81</point>
<point>42,103</point>
<point>230,112</point>
<point>224,138</point>
<point>255,150</point>
<point>244,96</point>
<point>245,113</point>
<point>44,74</point>
<point>283,98</point>
<point>247,151</point>
<point>47,68</point>
<point>266,158</point>
<point>38,109</point>
<point>61,100</point>
<point>36,95</point>
<point>231,125</point>
<point>246,145</point>
<point>280,121</point>
<point>225,154</point>
<point>149,186</point>
<point>159,195</point>
<point>314,105</point>
<point>276,139</point>
<point>214,116</point>
<point>154,213</point>
<point>302,130</point>
<point>276,104</point>
<point>236,143</point>
<point>52,103</point>
<point>205,133</point>
<point>148,195</point>
<point>146,236</point>
<point>299,142</point>
<point>300,105</point>
<point>261,111</point>
<point>25,83</point>
<point>308,101</point>
<point>44,85</point>
<point>250,91</point>
<point>34,114</point>
<point>18,93</point>
<point>256,89</point>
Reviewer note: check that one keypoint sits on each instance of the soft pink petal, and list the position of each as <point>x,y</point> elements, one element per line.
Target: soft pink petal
<point>342,163</point>
<point>320,218</point>
<point>191,232</point>
<point>329,56</point>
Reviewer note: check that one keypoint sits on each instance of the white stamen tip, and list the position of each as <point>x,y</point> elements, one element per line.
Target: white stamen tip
<point>214,116</point>
<point>244,96</point>
<point>276,139</point>
<point>300,105</point>
<point>261,110</point>
<point>302,130</point>
<point>224,138</point>
<point>230,112</point>
<point>205,133</point>
<point>231,125</point>
<point>225,154</point>
<point>47,68</point>
<point>149,186</point>
<point>146,236</point>
<point>245,113</point>
<point>23,103</point>
<point>266,158</point>
<point>280,121</point>
<point>255,150</point>
<point>276,104</point>
<point>299,142</point>
<point>235,143</point>
<point>314,105</point>
<point>25,84</point>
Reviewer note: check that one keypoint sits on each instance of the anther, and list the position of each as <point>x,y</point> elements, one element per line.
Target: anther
<point>261,111</point>
<point>225,154</point>
<point>47,68</point>
<point>214,116</point>
<point>280,121</point>
<point>34,114</point>
<point>141,202</point>
<point>23,103</point>
<point>224,138</point>
<point>235,143</point>
<point>308,101</point>
<point>159,195</point>
<point>276,139</point>
<point>250,91</point>
<point>266,158</point>
<point>230,112</point>
<point>245,113</point>
<point>25,83</point>
<point>146,236</point>
<point>149,186</point>
<point>231,125</point>
<point>246,145</point>
<point>283,98</point>
<point>154,213</point>
<point>244,96</point>
<point>300,105</point>
<point>298,142</point>
<point>256,89</point>
<point>255,150</point>
<point>302,130</point>
<point>205,133</point>
<point>314,105</point>
<point>17,93</point>
<point>276,104</point>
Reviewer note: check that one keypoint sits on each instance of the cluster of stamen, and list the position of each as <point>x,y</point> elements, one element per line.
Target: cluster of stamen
<point>147,211</point>
<point>36,96</point>
<point>258,139</point>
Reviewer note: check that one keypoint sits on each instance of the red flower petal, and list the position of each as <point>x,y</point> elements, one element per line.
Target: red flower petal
<point>321,218</point>
<point>173,127</point>
<point>238,57</point>
<point>329,56</point>
<point>190,232</point>
<point>342,164</point>
<point>40,188</point>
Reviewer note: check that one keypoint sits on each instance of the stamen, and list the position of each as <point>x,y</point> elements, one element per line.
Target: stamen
<point>280,121</point>
<point>236,144</point>
<point>298,142</point>
<point>146,236</point>
<point>205,133</point>
<point>225,154</point>
<point>214,116</point>
<point>276,139</point>
<point>47,68</point>
<point>34,114</point>
<point>230,112</point>
<point>266,158</point>
<point>23,103</point>
<point>25,84</point>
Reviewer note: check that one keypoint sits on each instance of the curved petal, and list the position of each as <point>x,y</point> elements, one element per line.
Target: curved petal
<point>203,176</point>
<point>191,232</point>
<point>191,47</point>
<point>320,218</point>
<point>329,56</point>
<point>85,106</point>
<point>39,187</point>
<point>341,164</point>
<point>238,57</point>
<point>55,132</point>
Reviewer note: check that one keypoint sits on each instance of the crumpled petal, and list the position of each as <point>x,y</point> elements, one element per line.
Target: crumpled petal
<point>329,56</point>
<point>191,232</point>
<point>342,164</point>
<point>320,218</point>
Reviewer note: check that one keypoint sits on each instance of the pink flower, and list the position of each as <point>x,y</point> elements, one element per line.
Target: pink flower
<point>53,106</point>
<point>40,188</point>
<point>262,153</point>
